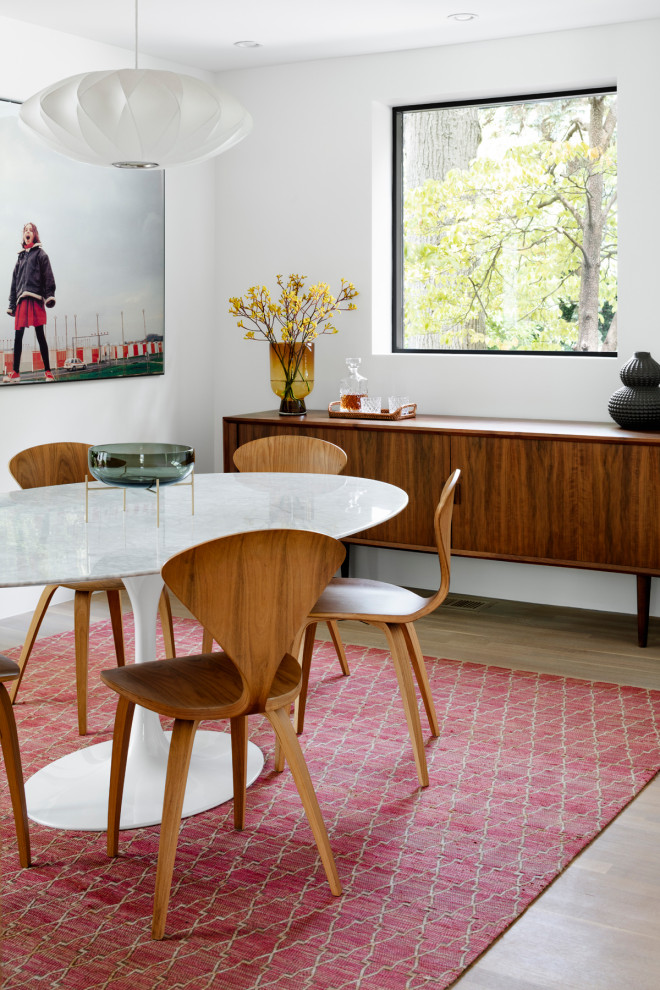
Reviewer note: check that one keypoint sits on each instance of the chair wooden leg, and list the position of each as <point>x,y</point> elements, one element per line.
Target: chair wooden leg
<point>306,664</point>
<point>32,632</point>
<point>207,641</point>
<point>399,651</point>
<point>239,749</point>
<point>81,609</point>
<point>12,757</point>
<point>114,604</point>
<point>295,651</point>
<point>167,625</point>
<point>278,756</point>
<point>178,763</point>
<point>417,660</point>
<point>120,739</point>
<point>294,756</point>
<point>333,629</point>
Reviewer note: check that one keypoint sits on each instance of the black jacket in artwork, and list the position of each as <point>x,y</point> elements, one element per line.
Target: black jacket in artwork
<point>32,278</point>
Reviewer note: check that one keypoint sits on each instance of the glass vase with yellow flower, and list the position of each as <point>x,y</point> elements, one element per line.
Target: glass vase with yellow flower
<point>291,324</point>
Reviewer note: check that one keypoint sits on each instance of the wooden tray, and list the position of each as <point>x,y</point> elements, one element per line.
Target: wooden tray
<point>403,412</point>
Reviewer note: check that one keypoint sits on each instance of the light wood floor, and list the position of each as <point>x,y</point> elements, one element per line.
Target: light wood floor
<point>598,926</point>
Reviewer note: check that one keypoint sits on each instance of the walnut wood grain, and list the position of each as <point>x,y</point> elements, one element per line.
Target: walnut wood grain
<point>525,497</point>
<point>296,453</point>
<point>618,500</point>
<point>50,464</point>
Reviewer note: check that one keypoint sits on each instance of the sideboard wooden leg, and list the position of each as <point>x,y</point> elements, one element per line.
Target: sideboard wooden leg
<point>643,603</point>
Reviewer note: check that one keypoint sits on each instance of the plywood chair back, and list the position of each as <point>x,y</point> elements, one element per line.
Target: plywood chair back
<point>253,591</point>
<point>65,463</point>
<point>393,610</point>
<point>50,464</point>
<point>442,527</point>
<point>301,455</point>
<point>298,454</point>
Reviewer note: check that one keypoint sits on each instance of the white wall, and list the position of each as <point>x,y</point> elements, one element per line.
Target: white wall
<point>309,192</point>
<point>174,407</point>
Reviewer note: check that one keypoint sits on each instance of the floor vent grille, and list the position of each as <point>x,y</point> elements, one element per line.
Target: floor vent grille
<point>466,604</point>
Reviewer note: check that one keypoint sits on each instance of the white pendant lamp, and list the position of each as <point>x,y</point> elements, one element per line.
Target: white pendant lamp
<point>135,118</point>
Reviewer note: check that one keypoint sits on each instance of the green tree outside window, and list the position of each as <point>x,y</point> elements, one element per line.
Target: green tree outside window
<point>508,226</point>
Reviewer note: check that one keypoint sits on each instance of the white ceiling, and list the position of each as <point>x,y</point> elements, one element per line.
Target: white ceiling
<point>202,32</point>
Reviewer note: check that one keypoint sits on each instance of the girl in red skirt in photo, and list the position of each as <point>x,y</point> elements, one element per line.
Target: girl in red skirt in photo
<point>32,290</point>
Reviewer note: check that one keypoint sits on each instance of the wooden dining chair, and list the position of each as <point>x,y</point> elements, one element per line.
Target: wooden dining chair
<point>65,464</point>
<point>247,590</point>
<point>9,671</point>
<point>393,610</point>
<point>297,455</point>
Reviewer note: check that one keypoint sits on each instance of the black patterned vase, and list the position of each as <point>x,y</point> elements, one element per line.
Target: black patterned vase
<point>636,406</point>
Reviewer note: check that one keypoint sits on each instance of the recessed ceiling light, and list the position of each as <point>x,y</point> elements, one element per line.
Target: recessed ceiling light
<point>462,17</point>
<point>247,44</point>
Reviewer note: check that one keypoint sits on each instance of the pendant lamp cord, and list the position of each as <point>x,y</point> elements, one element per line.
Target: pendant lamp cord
<point>136,34</point>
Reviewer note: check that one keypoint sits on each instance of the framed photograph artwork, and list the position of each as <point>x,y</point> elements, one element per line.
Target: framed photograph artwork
<point>82,255</point>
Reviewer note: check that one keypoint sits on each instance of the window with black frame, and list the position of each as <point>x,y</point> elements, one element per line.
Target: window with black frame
<point>505,225</point>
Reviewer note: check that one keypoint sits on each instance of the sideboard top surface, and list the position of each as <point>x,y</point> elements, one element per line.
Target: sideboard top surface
<point>541,428</point>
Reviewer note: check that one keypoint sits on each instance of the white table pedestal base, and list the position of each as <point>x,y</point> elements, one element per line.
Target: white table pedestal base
<point>72,793</point>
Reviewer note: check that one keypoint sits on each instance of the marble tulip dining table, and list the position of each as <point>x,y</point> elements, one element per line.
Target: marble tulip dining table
<point>45,539</point>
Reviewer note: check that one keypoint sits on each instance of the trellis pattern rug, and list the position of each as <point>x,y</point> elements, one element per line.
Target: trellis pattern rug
<point>527,770</point>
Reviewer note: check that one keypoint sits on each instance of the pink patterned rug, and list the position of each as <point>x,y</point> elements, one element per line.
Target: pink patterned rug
<point>527,770</point>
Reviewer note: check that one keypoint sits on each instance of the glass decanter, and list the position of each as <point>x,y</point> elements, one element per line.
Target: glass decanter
<point>352,387</point>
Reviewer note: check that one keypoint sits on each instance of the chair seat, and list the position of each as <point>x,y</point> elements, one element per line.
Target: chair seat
<point>206,686</point>
<point>350,598</point>
<point>111,584</point>
<point>9,670</point>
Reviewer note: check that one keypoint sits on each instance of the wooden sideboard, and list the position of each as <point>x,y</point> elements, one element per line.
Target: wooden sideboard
<point>541,492</point>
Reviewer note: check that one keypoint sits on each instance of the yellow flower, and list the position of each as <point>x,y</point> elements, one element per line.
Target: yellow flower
<point>298,316</point>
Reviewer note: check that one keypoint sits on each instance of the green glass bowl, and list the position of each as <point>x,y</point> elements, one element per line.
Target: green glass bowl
<point>140,465</point>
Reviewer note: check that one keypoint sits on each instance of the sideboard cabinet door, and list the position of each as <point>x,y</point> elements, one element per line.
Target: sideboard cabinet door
<point>619,506</point>
<point>518,498</point>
